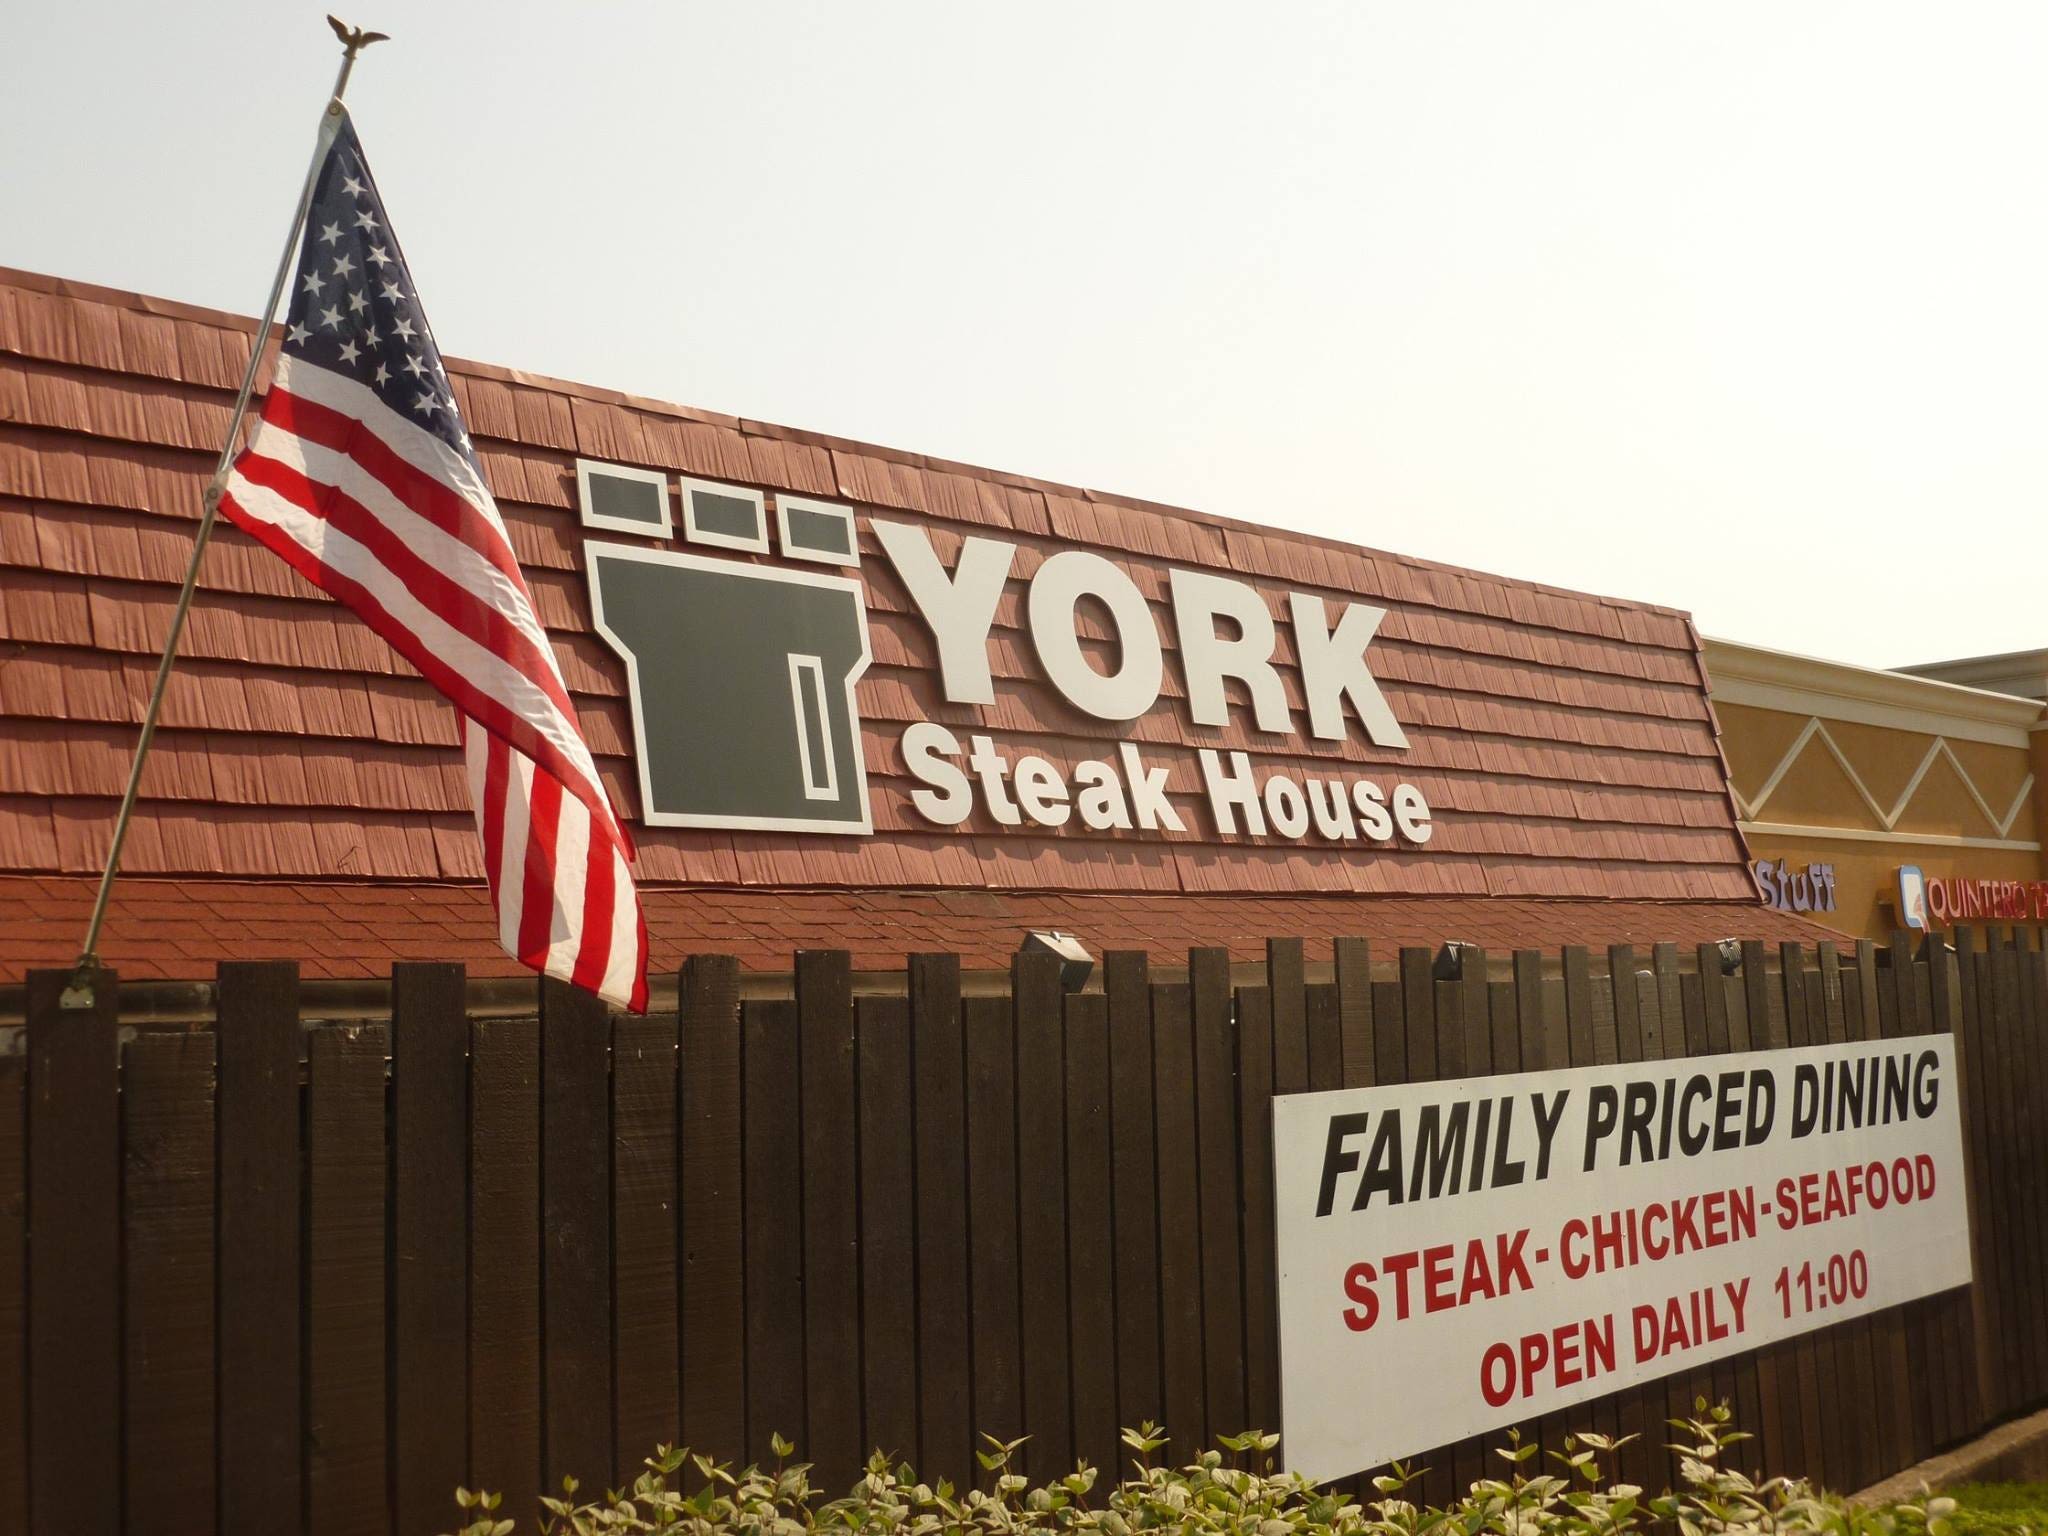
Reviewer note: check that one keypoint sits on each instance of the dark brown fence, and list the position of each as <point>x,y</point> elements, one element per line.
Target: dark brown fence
<point>264,1277</point>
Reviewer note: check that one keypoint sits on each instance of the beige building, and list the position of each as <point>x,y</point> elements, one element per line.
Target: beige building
<point>2022,673</point>
<point>1843,776</point>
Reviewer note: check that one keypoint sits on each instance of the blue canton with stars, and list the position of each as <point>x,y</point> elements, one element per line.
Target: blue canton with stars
<point>353,306</point>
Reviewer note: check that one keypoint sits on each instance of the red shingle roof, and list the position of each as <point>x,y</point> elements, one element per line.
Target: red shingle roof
<point>1563,740</point>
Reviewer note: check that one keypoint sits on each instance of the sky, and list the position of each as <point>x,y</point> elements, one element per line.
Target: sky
<point>1735,307</point>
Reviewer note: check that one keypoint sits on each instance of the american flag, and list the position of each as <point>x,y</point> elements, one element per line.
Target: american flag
<point>361,476</point>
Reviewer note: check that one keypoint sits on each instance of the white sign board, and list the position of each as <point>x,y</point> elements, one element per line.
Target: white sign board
<point>1457,1256</point>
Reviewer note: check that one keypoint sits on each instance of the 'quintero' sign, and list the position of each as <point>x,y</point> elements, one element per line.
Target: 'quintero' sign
<point>1458,1256</point>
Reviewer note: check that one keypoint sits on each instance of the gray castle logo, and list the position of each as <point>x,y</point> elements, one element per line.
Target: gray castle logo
<point>741,675</point>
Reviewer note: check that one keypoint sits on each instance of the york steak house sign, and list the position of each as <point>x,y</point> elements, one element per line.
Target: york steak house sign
<point>742,678</point>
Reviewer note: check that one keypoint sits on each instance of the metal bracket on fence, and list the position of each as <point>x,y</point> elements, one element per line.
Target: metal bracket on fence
<point>1449,964</point>
<point>80,996</point>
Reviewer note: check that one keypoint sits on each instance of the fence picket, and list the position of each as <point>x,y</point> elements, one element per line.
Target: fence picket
<point>1216,1129</point>
<point>712,1333</point>
<point>1355,1021</point>
<point>1936,968</point>
<point>1134,1195</point>
<point>1042,1209</point>
<point>167,1136</point>
<point>2035,1195</point>
<point>773,1182</point>
<point>1534,1050</point>
<point>645,1390</point>
<point>1839,992</point>
<point>1091,1238</point>
<point>504,1268</point>
<point>888,1225</point>
<point>1322,1013</point>
<point>576,1234</point>
<point>2014,1256</point>
<point>1945,970</point>
<point>997,1305</point>
<point>1928,1410</point>
<point>430,1262</point>
<point>74,1258</point>
<point>1888,1333</point>
<point>1989,1294</point>
<point>1778,1365</point>
<point>1465,1461</point>
<point>1390,1064</point>
<point>1255,1171</point>
<point>1589,1019</point>
<point>1418,1013</point>
<point>945,1395</point>
<point>1476,1010</point>
<point>1576,963</point>
<point>13,1294</point>
<point>1503,1000</point>
<point>1284,966</point>
<point>260,1396</point>
<point>833,1438</point>
<point>2018,970</point>
<point>346,1267</point>
<point>1180,1212</point>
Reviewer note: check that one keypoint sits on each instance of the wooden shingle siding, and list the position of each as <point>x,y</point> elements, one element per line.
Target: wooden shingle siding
<point>1563,740</point>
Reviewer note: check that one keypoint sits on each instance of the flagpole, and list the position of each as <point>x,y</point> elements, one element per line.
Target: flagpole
<point>79,995</point>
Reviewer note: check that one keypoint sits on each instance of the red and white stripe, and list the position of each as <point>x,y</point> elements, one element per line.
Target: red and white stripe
<point>564,896</point>
<point>397,525</point>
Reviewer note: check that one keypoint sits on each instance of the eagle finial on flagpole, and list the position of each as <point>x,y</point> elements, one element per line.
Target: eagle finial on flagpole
<point>353,41</point>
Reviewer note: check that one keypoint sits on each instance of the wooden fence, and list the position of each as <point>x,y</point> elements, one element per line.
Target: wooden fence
<point>264,1277</point>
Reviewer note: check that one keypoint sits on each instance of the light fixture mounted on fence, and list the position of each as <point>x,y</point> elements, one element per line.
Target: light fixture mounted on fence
<point>1076,964</point>
<point>1449,964</point>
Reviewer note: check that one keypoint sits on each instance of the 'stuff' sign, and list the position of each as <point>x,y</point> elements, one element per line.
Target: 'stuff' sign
<point>1458,1256</point>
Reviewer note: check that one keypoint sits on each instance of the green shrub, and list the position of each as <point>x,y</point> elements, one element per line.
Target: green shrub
<point>1231,1491</point>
